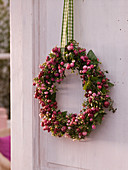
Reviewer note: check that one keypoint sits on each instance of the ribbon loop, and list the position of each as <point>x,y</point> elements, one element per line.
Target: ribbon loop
<point>67,33</point>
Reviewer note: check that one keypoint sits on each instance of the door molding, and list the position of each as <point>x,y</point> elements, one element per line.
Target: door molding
<point>24,66</point>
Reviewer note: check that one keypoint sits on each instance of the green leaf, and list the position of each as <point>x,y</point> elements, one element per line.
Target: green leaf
<point>92,56</point>
<point>85,86</point>
<point>96,114</point>
<point>110,84</point>
<point>104,90</point>
<point>99,80</point>
<point>99,120</point>
<point>87,83</point>
<point>53,96</point>
<point>94,78</point>
<point>64,113</point>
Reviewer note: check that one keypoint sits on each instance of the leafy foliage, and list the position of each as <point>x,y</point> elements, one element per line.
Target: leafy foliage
<point>5,84</point>
<point>92,56</point>
<point>4,27</point>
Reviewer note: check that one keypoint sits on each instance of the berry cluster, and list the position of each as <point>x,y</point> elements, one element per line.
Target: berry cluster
<point>95,84</point>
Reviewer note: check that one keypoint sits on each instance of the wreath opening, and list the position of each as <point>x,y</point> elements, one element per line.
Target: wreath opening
<point>70,93</point>
<point>96,89</point>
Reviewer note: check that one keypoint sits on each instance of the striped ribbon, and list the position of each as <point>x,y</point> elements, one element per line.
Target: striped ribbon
<point>67,33</point>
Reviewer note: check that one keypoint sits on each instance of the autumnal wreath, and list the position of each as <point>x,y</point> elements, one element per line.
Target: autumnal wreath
<point>95,85</point>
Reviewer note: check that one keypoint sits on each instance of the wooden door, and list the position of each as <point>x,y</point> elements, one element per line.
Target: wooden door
<point>100,26</point>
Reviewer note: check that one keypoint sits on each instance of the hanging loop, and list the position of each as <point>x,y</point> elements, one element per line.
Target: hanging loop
<point>67,33</point>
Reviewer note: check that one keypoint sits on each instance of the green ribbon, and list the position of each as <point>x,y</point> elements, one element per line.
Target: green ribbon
<point>67,33</point>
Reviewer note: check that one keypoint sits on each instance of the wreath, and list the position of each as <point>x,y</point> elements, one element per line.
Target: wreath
<point>94,81</point>
<point>95,84</point>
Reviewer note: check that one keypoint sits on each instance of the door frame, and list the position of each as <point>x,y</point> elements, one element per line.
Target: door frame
<point>24,62</point>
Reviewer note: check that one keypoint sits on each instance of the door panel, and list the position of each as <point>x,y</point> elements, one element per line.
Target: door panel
<point>102,27</point>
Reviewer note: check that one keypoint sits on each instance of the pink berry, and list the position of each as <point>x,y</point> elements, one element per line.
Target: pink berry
<point>63,128</point>
<point>76,120</point>
<point>56,123</point>
<point>76,53</point>
<point>90,100</point>
<point>45,128</point>
<point>62,63</point>
<point>93,127</point>
<point>97,109</point>
<point>49,101</point>
<point>69,47</point>
<point>84,133</point>
<point>60,71</point>
<point>103,81</point>
<point>78,129</point>
<point>84,67</point>
<point>91,119</point>
<point>82,57</point>
<point>42,124</point>
<point>55,49</point>
<point>57,55</point>
<point>59,50</point>
<point>56,74</point>
<point>46,92</point>
<point>90,92</point>
<point>72,64</point>
<point>54,112</point>
<point>98,83</point>
<point>93,109</point>
<point>52,79</point>
<point>88,67</point>
<point>100,87</point>
<point>68,66</point>
<point>86,58</point>
<point>84,71</point>
<point>92,66</point>
<point>94,94</point>
<point>106,104</point>
<point>106,85</point>
<point>55,130</point>
<point>47,77</point>
<point>61,74</point>
<point>99,93</point>
<point>83,117</point>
